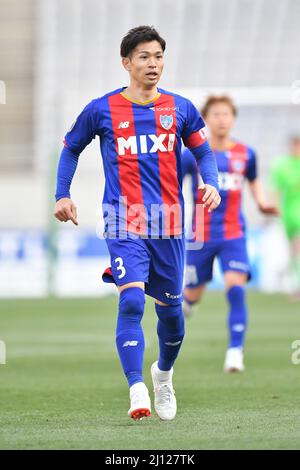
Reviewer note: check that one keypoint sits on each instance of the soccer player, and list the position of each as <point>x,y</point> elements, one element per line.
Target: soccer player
<point>223,231</point>
<point>140,129</point>
<point>285,177</point>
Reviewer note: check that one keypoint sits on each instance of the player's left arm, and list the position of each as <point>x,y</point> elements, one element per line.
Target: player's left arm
<point>194,138</point>
<point>257,189</point>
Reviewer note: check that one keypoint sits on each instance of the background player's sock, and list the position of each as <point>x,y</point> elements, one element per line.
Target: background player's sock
<point>237,318</point>
<point>129,334</point>
<point>170,330</point>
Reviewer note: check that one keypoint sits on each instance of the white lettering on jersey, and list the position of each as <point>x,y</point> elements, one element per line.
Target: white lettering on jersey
<point>128,144</point>
<point>230,181</point>
<point>162,143</point>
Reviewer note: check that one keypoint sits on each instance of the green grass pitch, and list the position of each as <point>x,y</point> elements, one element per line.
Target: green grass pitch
<point>62,386</point>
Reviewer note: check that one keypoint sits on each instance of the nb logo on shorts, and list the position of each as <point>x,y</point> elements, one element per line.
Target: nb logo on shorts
<point>130,343</point>
<point>172,296</point>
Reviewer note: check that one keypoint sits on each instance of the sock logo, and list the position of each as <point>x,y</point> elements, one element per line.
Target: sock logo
<point>238,327</point>
<point>173,344</point>
<point>130,343</point>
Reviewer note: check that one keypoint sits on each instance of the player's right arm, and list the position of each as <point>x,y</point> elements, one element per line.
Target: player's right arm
<point>79,136</point>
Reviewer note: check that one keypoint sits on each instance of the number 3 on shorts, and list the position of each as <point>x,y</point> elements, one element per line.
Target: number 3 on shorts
<point>120,267</point>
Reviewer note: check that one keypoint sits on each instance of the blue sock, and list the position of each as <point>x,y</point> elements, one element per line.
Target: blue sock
<point>170,330</point>
<point>237,318</point>
<point>129,334</point>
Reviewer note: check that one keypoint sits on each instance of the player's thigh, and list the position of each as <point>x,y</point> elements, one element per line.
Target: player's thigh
<point>166,270</point>
<point>234,260</point>
<point>199,266</point>
<point>129,261</point>
<point>141,285</point>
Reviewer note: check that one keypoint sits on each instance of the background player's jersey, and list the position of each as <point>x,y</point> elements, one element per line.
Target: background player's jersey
<point>141,151</point>
<point>285,177</point>
<point>234,165</point>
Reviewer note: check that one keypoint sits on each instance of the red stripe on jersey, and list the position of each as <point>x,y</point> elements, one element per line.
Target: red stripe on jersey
<point>195,139</point>
<point>129,176</point>
<point>237,165</point>
<point>201,222</point>
<point>165,117</point>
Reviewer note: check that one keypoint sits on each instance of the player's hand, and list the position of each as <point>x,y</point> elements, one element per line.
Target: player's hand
<point>65,210</point>
<point>210,197</point>
<point>268,209</point>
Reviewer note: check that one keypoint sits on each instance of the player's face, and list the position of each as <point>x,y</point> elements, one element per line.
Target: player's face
<point>146,63</point>
<point>220,119</point>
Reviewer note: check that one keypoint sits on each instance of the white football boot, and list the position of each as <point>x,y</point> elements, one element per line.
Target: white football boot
<point>234,360</point>
<point>140,404</point>
<point>164,394</point>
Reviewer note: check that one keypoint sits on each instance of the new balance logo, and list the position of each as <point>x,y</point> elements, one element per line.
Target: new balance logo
<point>123,125</point>
<point>173,344</point>
<point>162,143</point>
<point>130,343</point>
<point>172,296</point>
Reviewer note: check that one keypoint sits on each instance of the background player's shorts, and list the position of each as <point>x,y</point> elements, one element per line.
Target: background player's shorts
<point>232,255</point>
<point>157,262</point>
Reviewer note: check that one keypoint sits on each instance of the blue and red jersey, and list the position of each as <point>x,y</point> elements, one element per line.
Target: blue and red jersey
<point>141,152</point>
<point>234,166</point>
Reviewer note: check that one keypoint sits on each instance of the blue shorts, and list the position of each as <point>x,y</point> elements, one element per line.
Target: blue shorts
<point>159,263</point>
<point>232,255</point>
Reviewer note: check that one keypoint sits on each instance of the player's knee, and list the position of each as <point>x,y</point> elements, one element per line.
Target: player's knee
<point>132,302</point>
<point>172,318</point>
<point>236,294</point>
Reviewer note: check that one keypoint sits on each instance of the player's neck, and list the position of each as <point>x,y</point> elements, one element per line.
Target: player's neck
<point>221,144</point>
<point>137,93</point>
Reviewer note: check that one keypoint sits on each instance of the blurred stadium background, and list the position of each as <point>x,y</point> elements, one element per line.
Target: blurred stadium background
<point>63,377</point>
<point>56,55</point>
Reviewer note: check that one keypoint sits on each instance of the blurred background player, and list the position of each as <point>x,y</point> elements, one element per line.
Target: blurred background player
<point>140,129</point>
<point>285,176</point>
<point>224,230</point>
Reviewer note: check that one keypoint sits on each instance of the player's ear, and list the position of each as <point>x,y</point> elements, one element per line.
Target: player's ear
<point>126,63</point>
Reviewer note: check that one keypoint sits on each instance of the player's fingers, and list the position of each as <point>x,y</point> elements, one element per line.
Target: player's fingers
<point>215,202</point>
<point>210,199</point>
<point>74,210</point>
<point>60,215</point>
<point>70,215</point>
<point>206,194</point>
<point>74,220</point>
<point>74,214</point>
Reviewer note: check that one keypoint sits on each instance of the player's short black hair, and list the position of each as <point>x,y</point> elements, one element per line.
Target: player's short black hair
<point>136,36</point>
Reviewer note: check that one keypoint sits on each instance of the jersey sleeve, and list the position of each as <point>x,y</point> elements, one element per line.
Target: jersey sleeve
<point>84,129</point>
<point>193,134</point>
<point>251,168</point>
<point>188,163</point>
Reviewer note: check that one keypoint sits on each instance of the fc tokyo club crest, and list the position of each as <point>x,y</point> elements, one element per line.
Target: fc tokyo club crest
<point>166,121</point>
<point>238,166</point>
